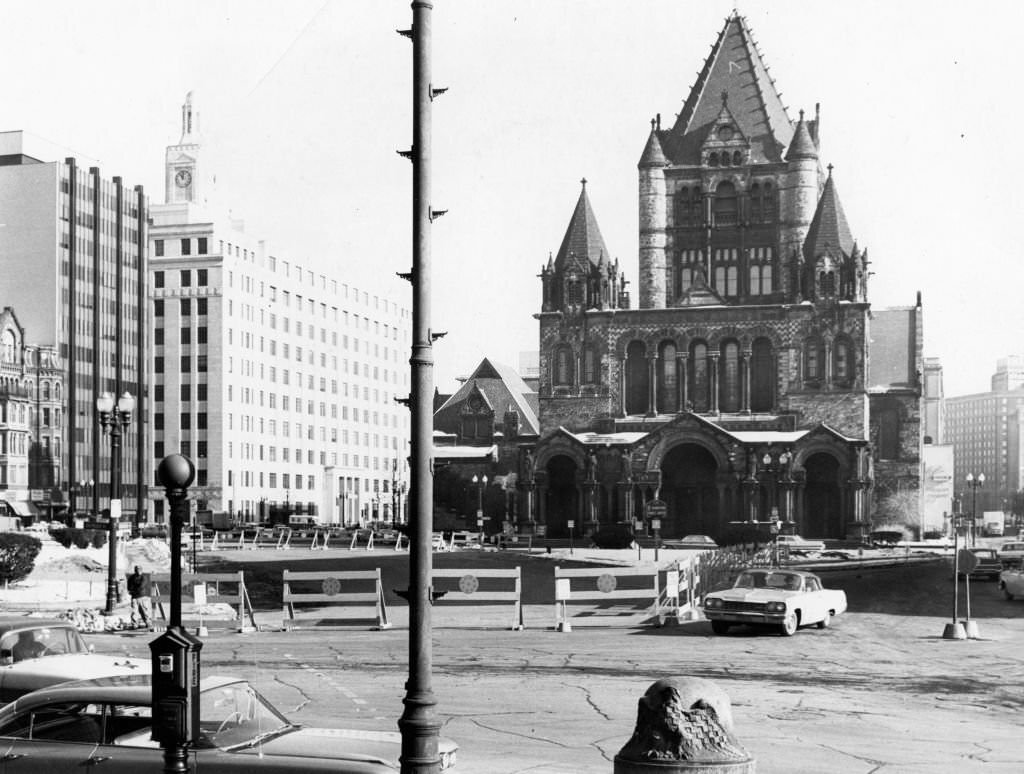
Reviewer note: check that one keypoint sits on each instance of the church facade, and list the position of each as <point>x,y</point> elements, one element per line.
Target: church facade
<point>754,382</point>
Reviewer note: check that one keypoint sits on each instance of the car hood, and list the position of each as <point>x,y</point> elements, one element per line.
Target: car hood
<point>753,595</point>
<point>39,672</point>
<point>340,743</point>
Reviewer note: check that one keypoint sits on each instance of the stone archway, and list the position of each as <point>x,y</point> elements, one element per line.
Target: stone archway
<point>688,487</point>
<point>822,497</point>
<point>563,497</point>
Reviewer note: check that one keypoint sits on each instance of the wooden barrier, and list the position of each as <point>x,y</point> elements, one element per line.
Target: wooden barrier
<point>468,589</point>
<point>333,592</point>
<point>355,541</point>
<point>599,586</point>
<point>215,593</point>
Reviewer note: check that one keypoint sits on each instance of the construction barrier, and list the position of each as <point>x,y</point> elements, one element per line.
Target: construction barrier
<point>332,590</point>
<point>599,587</point>
<point>204,612</point>
<point>469,589</point>
<point>355,541</point>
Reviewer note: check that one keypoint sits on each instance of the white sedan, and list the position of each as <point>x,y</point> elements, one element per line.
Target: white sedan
<point>783,599</point>
<point>1012,583</point>
<point>35,653</point>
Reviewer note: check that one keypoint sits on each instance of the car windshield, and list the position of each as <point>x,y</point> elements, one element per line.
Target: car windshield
<point>762,579</point>
<point>236,715</point>
<point>43,641</point>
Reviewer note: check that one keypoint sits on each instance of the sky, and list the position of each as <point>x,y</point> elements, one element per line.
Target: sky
<point>303,104</point>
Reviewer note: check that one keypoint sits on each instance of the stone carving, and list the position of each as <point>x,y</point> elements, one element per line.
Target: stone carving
<point>683,719</point>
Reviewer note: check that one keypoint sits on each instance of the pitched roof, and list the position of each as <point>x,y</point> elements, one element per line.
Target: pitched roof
<point>653,156</point>
<point>582,240</point>
<point>829,232</point>
<point>802,146</point>
<point>501,386</point>
<point>733,68</point>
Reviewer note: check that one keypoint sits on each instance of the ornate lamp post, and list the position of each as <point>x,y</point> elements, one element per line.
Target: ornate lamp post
<point>112,419</point>
<point>974,482</point>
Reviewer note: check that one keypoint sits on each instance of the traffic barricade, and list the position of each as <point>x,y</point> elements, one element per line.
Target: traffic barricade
<point>607,596</point>
<point>333,599</point>
<point>355,541</point>
<point>223,591</point>
<point>468,588</point>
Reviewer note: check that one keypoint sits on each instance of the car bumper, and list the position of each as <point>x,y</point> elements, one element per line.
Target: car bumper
<point>745,617</point>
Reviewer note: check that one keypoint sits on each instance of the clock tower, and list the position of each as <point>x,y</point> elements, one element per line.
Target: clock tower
<point>180,179</point>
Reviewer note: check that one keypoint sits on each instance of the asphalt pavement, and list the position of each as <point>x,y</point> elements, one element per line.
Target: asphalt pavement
<point>879,691</point>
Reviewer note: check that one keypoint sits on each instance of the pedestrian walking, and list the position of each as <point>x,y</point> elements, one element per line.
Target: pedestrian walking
<point>139,590</point>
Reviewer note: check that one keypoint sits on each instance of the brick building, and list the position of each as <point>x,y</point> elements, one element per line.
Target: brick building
<point>754,382</point>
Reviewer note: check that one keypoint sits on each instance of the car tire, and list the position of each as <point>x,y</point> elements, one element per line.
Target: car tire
<point>720,627</point>
<point>1007,594</point>
<point>789,625</point>
<point>824,622</point>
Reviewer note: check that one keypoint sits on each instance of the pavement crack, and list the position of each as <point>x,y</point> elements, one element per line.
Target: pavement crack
<point>589,699</point>
<point>306,698</point>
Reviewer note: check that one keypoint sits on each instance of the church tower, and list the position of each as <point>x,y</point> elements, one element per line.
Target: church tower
<point>181,182</point>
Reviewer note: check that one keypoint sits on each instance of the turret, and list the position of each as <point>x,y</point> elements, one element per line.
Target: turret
<point>798,193</point>
<point>653,222</point>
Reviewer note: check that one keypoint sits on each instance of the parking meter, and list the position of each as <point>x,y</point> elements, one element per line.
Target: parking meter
<point>175,660</point>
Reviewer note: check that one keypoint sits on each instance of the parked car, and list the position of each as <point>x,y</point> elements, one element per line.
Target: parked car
<point>693,541</point>
<point>797,543</point>
<point>1011,582</point>
<point>783,599</point>
<point>988,566</point>
<point>36,652</point>
<point>106,724</point>
<point>1011,554</point>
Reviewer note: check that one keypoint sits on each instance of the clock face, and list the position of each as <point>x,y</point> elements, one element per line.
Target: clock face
<point>183,178</point>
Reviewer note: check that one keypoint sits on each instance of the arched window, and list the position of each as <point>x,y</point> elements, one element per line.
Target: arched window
<point>814,360</point>
<point>729,393</point>
<point>637,378</point>
<point>563,366</point>
<point>698,377</point>
<point>46,390</point>
<point>737,158</point>
<point>668,380</point>
<point>590,366</point>
<point>762,375</point>
<point>713,160</point>
<point>725,204</point>
<point>842,362</point>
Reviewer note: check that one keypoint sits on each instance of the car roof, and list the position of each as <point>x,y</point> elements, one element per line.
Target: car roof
<point>13,623</point>
<point>120,689</point>
<point>803,573</point>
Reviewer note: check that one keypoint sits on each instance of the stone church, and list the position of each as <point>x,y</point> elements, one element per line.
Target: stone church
<point>754,382</point>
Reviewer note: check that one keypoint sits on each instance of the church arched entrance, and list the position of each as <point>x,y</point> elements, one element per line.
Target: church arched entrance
<point>562,501</point>
<point>822,500</point>
<point>688,488</point>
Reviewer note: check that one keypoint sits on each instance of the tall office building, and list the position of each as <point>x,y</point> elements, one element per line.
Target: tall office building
<point>72,252</point>
<point>986,431</point>
<point>277,379</point>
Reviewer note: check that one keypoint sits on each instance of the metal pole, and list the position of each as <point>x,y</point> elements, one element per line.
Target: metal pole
<point>419,725</point>
<point>115,488</point>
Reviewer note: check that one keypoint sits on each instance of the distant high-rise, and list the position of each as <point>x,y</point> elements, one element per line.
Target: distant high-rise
<point>72,258</point>
<point>278,380</point>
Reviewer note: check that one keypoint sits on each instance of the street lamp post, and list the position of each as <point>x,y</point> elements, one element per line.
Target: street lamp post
<point>480,484</point>
<point>113,418</point>
<point>974,482</point>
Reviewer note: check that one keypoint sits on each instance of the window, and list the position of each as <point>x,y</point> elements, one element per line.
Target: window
<point>186,278</point>
<point>158,420</point>
<point>158,246</point>
<point>185,307</point>
<point>201,250</point>
<point>201,364</point>
<point>201,333</point>
<point>814,356</point>
<point>729,392</point>
<point>201,420</point>
<point>158,392</point>
<point>590,366</point>
<point>158,276</point>
<point>186,335</point>
<point>158,308</point>
<point>201,306</point>
<point>563,366</point>
<point>186,363</point>
<point>158,364</point>
<point>698,377</point>
<point>158,336</point>
<point>726,209</point>
<point>762,375</point>
<point>842,365</point>
<point>668,382</point>
<point>186,391</point>
<point>186,249</point>
<point>202,389</point>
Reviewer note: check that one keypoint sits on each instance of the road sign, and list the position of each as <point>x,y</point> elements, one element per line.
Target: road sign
<point>571,523</point>
<point>656,509</point>
<point>655,524</point>
<point>967,560</point>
